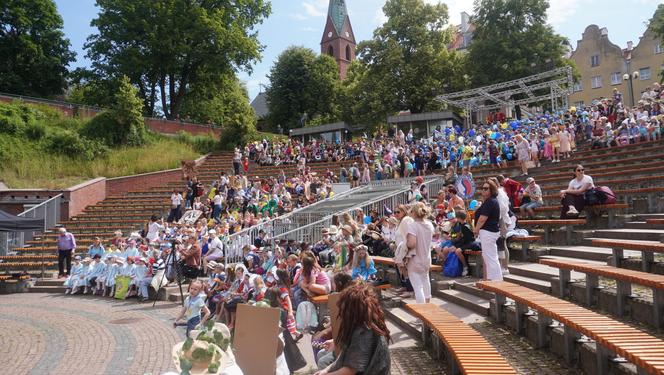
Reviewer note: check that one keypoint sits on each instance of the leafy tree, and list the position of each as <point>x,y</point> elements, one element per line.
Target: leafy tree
<point>404,66</point>
<point>512,40</point>
<point>223,102</point>
<point>167,46</point>
<point>657,25</point>
<point>123,124</point>
<point>34,54</point>
<point>303,84</point>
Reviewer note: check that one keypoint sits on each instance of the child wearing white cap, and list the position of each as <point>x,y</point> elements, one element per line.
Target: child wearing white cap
<point>79,280</point>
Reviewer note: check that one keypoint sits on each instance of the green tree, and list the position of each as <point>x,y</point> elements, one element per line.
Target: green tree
<point>223,102</point>
<point>34,54</point>
<point>512,40</point>
<point>404,66</point>
<point>657,25</point>
<point>303,83</point>
<point>167,46</point>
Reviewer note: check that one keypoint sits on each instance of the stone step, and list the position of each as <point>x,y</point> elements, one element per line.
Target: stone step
<point>581,252</point>
<point>642,225</point>
<point>529,282</point>
<point>469,287</point>
<point>48,289</point>
<point>49,282</point>
<point>469,301</point>
<point>630,234</point>
<point>644,217</point>
<point>539,271</point>
<point>404,320</point>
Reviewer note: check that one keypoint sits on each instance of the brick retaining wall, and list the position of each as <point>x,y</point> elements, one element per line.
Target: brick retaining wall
<point>120,185</point>
<point>82,195</point>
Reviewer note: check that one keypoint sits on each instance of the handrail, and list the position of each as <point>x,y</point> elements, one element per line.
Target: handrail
<point>34,208</point>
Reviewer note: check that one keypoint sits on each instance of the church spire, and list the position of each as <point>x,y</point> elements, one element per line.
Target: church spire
<point>338,39</point>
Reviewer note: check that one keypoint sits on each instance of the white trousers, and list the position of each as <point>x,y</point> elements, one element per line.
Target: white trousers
<point>490,255</point>
<point>421,285</point>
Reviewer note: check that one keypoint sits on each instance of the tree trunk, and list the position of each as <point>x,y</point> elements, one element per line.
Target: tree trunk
<point>174,113</point>
<point>162,89</point>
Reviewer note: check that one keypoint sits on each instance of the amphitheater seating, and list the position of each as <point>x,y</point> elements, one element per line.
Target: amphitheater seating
<point>385,261</point>
<point>319,300</point>
<point>611,337</point>
<point>624,278</point>
<point>647,249</point>
<point>611,209</point>
<point>466,350</point>
<point>554,224</point>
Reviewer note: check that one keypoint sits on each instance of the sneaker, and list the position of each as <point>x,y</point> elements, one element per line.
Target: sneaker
<point>572,211</point>
<point>67,291</point>
<point>505,272</point>
<point>464,273</point>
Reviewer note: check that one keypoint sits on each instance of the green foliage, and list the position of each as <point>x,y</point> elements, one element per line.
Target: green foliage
<point>201,143</point>
<point>512,40</point>
<point>70,143</point>
<point>124,123</point>
<point>34,54</point>
<point>404,66</point>
<point>167,47</point>
<point>303,85</point>
<point>225,103</point>
<point>187,344</point>
<point>657,25</point>
<point>213,367</point>
<point>35,131</point>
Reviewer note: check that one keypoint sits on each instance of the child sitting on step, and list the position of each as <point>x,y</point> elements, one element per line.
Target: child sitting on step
<point>79,281</point>
<point>112,271</point>
<point>101,280</point>
<point>75,273</point>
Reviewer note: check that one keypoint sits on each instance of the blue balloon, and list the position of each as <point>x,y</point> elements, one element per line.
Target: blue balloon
<point>451,215</point>
<point>494,135</point>
<point>473,205</point>
<point>367,219</point>
<point>510,157</point>
<point>471,132</point>
<point>499,159</point>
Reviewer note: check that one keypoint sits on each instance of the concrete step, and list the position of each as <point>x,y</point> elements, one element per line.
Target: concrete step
<point>642,225</point>
<point>470,288</point>
<point>469,301</point>
<point>644,217</point>
<point>50,282</point>
<point>630,234</point>
<point>404,320</point>
<point>581,252</point>
<point>539,271</point>
<point>529,282</point>
<point>48,289</point>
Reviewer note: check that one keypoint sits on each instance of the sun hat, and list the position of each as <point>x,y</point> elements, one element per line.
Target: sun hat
<point>333,230</point>
<point>530,180</point>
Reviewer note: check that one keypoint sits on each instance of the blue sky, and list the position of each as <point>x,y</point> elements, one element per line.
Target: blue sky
<point>301,22</point>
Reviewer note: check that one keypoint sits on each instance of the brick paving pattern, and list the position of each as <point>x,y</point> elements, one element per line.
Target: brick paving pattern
<point>520,354</point>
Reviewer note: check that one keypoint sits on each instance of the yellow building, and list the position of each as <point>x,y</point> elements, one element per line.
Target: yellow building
<point>604,66</point>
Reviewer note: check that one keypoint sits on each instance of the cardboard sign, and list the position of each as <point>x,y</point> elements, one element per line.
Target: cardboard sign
<point>256,339</point>
<point>122,286</point>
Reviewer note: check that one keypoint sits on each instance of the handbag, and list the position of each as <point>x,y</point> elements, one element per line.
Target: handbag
<point>594,197</point>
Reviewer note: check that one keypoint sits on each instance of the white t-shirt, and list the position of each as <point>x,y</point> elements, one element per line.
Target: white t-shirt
<point>576,184</point>
<point>153,230</point>
<point>216,247</point>
<point>423,230</point>
<point>176,199</point>
<point>217,200</point>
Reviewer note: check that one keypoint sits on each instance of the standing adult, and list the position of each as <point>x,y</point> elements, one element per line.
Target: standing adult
<point>523,153</point>
<point>237,158</point>
<point>404,220</point>
<point>66,247</point>
<point>572,199</point>
<point>176,207</point>
<point>418,242</point>
<point>487,230</point>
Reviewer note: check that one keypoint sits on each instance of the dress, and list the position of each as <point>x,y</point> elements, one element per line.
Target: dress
<point>565,145</point>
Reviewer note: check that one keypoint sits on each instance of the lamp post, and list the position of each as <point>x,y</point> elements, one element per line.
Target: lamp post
<point>630,78</point>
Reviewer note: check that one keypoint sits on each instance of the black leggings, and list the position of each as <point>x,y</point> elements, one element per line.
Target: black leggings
<point>578,201</point>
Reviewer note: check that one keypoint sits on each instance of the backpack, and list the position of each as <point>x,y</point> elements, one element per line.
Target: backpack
<point>610,197</point>
<point>453,267</point>
<point>594,197</point>
<point>356,172</point>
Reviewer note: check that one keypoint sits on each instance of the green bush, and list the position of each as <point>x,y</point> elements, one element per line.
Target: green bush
<point>201,143</point>
<point>70,143</point>
<point>35,131</point>
<point>11,119</point>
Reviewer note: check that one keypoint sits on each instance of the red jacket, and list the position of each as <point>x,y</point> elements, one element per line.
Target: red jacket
<point>512,189</point>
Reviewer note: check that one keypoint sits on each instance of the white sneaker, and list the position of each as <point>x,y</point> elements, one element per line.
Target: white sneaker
<point>67,291</point>
<point>572,211</point>
<point>464,273</point>
<point>506,272</point>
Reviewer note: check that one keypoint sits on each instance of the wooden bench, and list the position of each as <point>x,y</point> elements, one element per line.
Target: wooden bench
<point>624,278</point>
<point>647,249</point>
<point>525,242</point>
<point>322,299</point>
<point>547,224</point>
<point>655,221</point>
<point>611,336</point>
<point>466,350</point>
<point>385,261</point>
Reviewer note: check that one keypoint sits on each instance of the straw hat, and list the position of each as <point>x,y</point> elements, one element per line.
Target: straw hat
<point>333,230</point>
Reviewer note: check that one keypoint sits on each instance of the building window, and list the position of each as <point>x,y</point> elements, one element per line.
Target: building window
<point>594,60</point>
<point>330,51</point>
<point>348,54</point>
<point>596,82</point>
<point>644,73</point>
<point>578,86</point>
<point>616,78</point>
<point>658,49</point>
<point>578,104</point>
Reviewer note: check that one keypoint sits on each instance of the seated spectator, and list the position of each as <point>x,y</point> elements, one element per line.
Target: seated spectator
<point>363,266</point>
<point>531,198</point>
<point>572,198</point>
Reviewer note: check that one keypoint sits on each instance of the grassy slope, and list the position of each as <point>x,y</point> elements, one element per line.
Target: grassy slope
<point>34,169</point>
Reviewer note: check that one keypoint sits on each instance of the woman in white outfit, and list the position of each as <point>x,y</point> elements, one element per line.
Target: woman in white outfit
<point>418,241</point>
<point>488,230</point>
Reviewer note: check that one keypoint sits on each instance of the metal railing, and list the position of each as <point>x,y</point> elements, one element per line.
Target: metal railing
<point>48,210</point>
<point>281,224</point>
<point>312,232</point>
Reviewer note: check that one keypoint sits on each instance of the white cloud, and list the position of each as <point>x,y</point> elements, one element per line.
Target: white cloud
<point>454,9</point>
<point>561,10</point>
<point>380,17</point>
<point>300,17</point>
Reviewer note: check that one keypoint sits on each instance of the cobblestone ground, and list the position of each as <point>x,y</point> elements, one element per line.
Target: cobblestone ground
<point>520,354</point>
<point>57,334</point>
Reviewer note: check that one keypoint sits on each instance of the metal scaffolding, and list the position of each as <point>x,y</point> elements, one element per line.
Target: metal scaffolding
<point>555,85</point>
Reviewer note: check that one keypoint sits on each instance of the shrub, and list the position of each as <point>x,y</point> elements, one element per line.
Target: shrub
<point>201,143</point>
<point>35,131</point>
<point>11,119</point>
<point>70,143</point>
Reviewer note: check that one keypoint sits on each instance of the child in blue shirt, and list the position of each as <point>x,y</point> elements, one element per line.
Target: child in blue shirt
<point>194,304</point>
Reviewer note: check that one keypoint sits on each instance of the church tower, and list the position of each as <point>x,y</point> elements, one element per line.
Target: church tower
<point>338,38</point>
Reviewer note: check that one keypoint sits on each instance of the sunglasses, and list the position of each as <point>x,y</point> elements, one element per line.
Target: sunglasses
<point>579,170</point>
<point>485,188</point>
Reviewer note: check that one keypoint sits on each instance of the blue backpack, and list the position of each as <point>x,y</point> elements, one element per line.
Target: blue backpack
<point>453,267</point>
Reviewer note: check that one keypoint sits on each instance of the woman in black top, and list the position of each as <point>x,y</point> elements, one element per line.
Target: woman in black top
<point>487,229</point>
